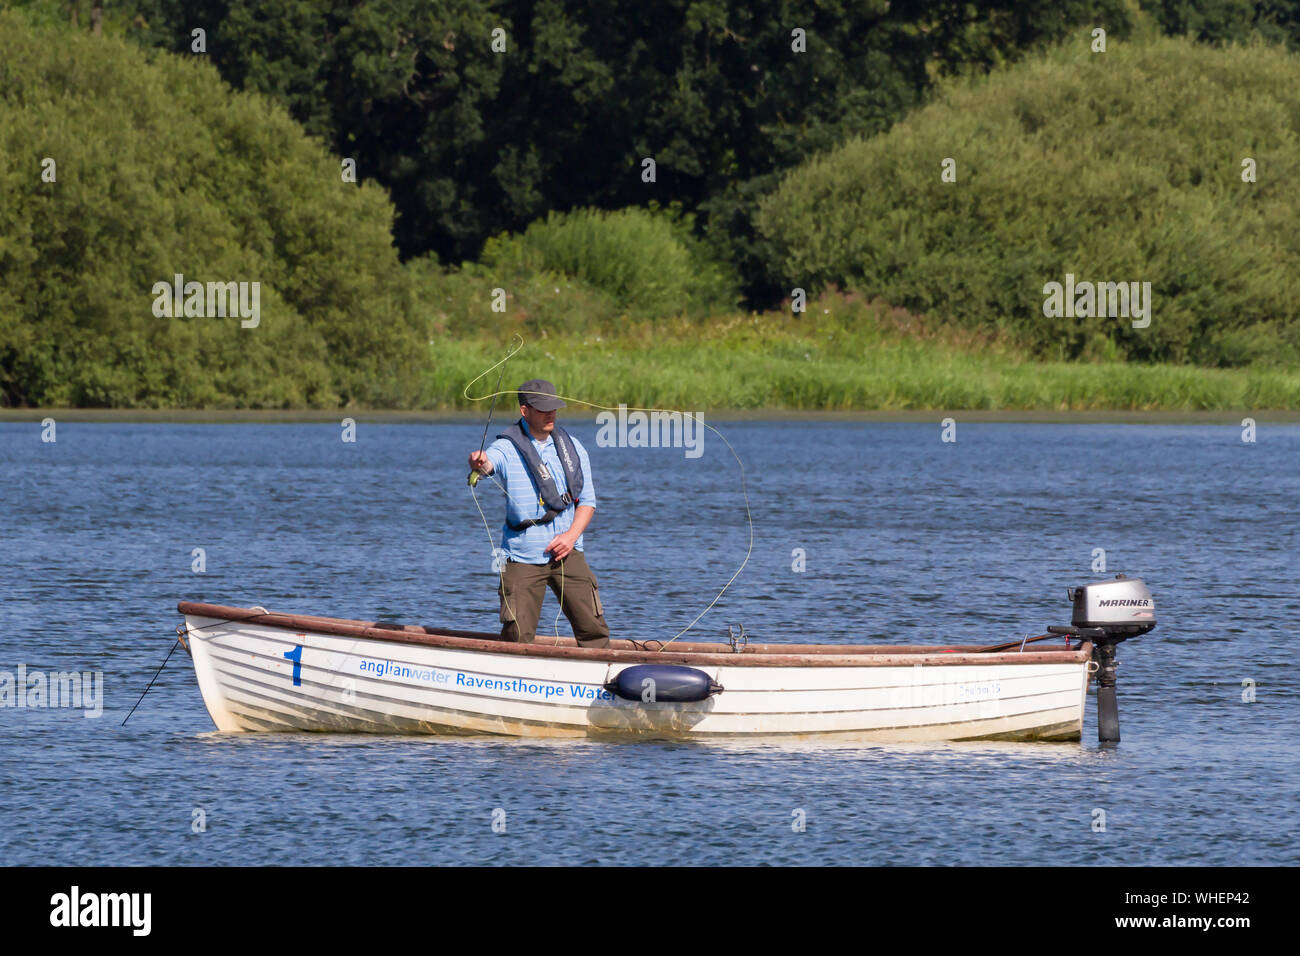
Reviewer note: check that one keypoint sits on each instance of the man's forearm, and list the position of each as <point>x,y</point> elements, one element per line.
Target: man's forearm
<point>581,518</point>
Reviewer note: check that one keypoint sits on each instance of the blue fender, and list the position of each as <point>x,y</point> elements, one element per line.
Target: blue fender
<point>662,683</point>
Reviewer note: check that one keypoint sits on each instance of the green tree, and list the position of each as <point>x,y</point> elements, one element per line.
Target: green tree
<point>472,143</point>
<point>1122,167</point>
<point>119,170</point>
<point>1229,21</point>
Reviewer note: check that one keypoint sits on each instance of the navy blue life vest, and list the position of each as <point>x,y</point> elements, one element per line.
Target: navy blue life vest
<point>547,487</point>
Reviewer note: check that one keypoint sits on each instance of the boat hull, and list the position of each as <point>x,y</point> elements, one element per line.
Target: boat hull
<point>256,676</point>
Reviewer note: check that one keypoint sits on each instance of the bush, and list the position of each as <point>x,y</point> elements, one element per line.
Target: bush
<point>458,302</point>
<point>645,261</point>
<point>161,169</point>
<point>1125,165</point>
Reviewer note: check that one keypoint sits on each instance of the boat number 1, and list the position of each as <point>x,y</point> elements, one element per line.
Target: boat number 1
<point>295,655</point>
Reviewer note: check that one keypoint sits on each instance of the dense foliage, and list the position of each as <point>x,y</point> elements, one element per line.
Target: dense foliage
<point>160,169</point>
<point>1122,166</point>
<point>649,265</point>
<point>1229,21</point>
<point>471,142</point>
<point>522,168</point>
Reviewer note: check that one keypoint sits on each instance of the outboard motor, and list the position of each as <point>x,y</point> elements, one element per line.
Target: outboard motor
<point>1106,614</point>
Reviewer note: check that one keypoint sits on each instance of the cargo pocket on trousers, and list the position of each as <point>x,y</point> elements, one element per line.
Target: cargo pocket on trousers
<point>595,598</point>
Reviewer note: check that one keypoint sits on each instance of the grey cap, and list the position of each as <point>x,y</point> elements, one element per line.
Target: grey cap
<point>540,394</point>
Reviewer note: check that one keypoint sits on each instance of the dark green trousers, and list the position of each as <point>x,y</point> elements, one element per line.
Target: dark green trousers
<point>523,588</point>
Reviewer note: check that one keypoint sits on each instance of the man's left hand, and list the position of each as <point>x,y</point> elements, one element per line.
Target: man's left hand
<point>561,545</point>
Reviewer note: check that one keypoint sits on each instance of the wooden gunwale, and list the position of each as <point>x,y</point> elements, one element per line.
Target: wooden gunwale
<point>696,653</point>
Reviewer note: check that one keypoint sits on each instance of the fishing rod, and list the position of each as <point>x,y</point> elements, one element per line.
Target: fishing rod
<point>475,474</point>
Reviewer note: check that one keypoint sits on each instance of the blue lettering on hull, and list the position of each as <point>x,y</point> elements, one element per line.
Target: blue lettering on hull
<point>541,690</point>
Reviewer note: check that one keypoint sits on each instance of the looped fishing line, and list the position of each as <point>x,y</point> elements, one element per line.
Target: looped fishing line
<point>744,490</point>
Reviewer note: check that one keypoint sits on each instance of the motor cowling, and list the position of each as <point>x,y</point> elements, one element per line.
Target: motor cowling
<point>1121,608</point>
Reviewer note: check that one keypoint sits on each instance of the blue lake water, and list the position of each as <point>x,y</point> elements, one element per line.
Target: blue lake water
<point>906,539</point>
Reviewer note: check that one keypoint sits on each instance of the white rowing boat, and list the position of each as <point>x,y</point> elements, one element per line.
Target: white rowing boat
<point>261,670</point>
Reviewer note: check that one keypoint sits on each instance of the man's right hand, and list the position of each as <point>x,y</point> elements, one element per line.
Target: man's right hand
<point>478,461</point>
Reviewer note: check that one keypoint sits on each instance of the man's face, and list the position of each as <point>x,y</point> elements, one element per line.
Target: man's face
<point>541,424</point>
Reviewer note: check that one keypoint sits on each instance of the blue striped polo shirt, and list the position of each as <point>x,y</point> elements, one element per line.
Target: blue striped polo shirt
<point>523,499</point>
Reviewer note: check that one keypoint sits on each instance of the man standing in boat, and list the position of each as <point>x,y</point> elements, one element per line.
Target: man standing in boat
<point>550,500</point>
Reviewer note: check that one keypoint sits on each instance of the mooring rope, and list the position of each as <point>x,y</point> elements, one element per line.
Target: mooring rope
<point>744,490</point>
<point>179,639</point>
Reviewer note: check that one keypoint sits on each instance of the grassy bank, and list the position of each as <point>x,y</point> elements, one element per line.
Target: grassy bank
<point>839,356</point>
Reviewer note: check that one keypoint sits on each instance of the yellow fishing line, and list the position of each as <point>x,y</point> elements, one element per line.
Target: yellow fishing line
<point>749,517</point>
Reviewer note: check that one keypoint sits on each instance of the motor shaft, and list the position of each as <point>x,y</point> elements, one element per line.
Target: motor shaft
<point>1107,703</point>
